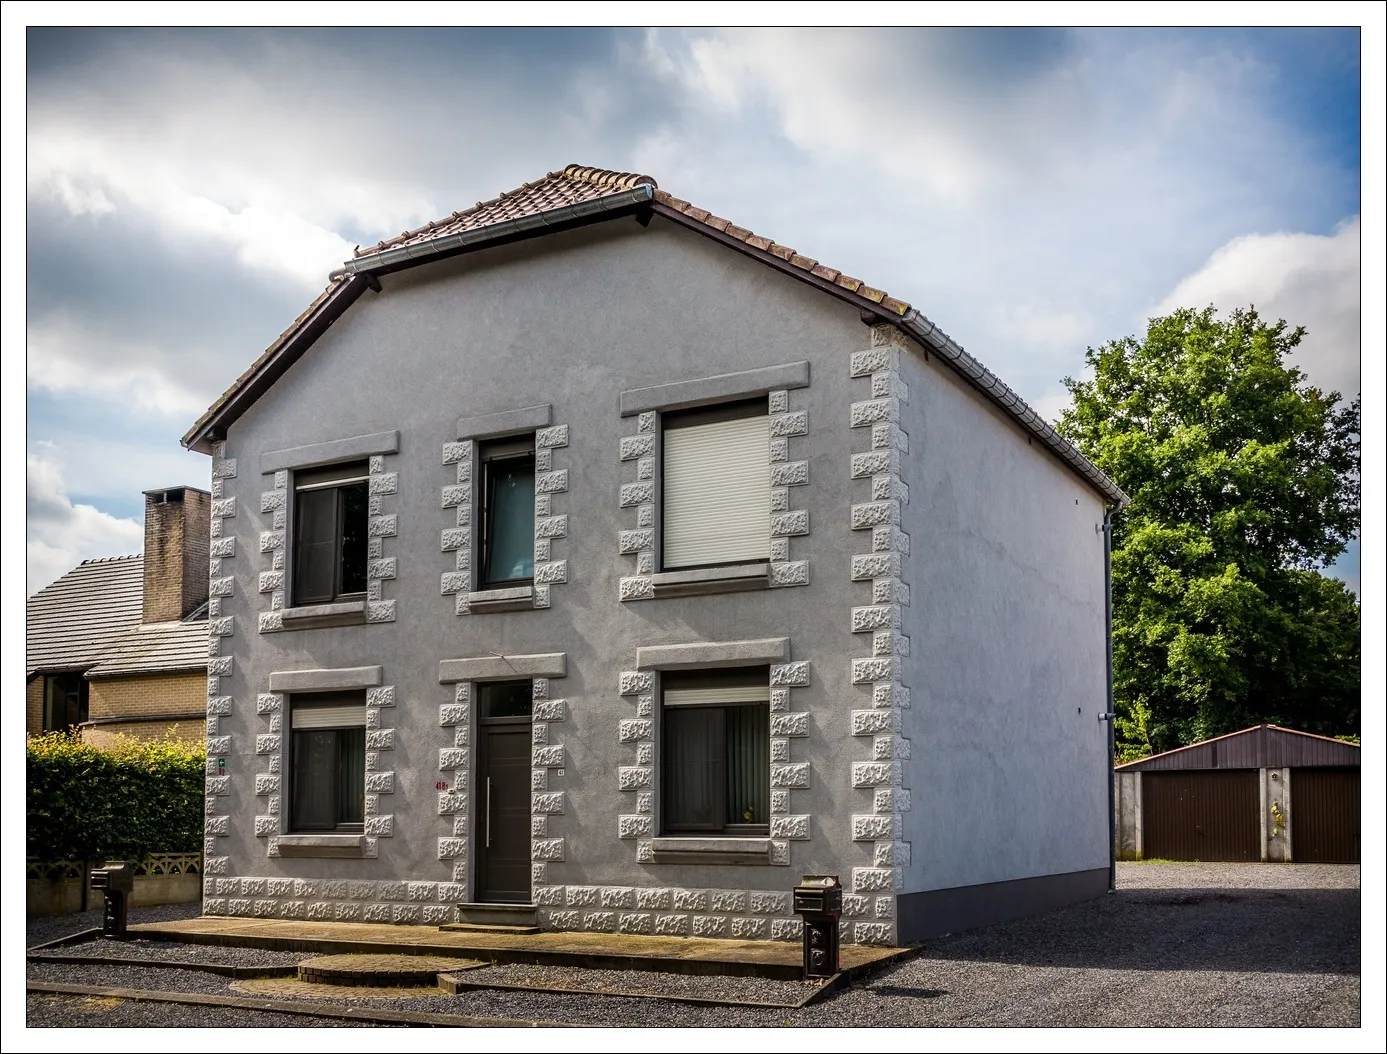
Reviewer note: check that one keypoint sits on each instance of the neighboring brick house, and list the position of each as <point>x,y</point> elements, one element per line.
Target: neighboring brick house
<point>584,559</point>
<point>119,645</point>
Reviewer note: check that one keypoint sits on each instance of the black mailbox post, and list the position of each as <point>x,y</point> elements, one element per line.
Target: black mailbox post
<point>819,898</point>
<point>116,881</point>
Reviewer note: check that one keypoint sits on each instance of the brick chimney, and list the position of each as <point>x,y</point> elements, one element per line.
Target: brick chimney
<point>177,536</point>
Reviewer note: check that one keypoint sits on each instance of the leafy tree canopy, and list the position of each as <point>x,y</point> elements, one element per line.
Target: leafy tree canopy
<point>1244,485</point>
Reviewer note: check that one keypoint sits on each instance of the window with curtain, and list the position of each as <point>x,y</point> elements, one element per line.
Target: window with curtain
<point>716,485</point>
<point>328,762</point>
<point>64,701</point>
<point>330,533</point>
<point>508,512</point>
<point>715,751</point>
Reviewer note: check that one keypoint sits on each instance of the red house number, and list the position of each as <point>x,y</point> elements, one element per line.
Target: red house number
<point>441,785</point>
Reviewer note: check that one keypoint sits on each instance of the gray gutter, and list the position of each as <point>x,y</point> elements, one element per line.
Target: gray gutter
<point>405,255</point>
<point>995,389</point>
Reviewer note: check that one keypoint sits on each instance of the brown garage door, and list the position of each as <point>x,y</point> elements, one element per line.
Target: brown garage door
<point>1201,815</point>
<point>1325,816</point>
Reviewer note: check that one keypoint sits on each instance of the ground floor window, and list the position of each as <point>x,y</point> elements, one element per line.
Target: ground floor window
<point>328,773</point>
<point>64,701</point>
<point>715,737</point>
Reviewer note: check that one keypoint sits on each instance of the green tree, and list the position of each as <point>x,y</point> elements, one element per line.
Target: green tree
<point>1244,485</point>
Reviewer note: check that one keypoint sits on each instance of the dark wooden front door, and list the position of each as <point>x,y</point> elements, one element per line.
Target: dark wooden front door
<point>1326,814</point>
<point>1201,815</point>
<point>503,811</point>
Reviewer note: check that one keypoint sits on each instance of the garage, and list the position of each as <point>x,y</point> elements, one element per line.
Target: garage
<point>1328,804</point>
<point>1201,815</point>
<point>1264,793</point>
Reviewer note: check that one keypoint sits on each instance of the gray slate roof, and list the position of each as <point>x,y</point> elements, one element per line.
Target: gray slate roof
<point>72,622</point>
<point>92,615</point>
<point>157,647</point>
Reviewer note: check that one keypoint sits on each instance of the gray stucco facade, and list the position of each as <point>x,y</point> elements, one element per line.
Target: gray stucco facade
<point>931,614</point>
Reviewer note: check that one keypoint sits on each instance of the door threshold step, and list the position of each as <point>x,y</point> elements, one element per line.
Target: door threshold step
<point>486,927</point>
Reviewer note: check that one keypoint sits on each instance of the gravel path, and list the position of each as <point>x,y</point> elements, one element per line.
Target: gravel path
<point>1178,944</point>
<point>168,952</point>
<point>65,1011</point>
<point>752,989</point>
<point>50,927</point>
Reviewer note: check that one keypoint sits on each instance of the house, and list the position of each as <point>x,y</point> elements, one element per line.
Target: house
<point>119,646</point>
<point>1265,793</point>
<point>582,559</point>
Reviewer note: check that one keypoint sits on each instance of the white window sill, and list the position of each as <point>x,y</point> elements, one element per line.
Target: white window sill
<point>315,616</point>
<point>321,845</point>
<point>711,850</point>
<point>511,598</point>
<point>734,578</point>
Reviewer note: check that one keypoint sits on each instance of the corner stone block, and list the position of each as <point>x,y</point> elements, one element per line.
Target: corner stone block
<point>790,674</point>
<point>874,722</point>
<point>638,446</point>
<point>383,696</point>
<point>789,424</point>
<point>873,773</point>
<point>873,360</point>
<point>636,826</point>
<point>553,436</point>
<point>872,826</point>
<point>452,848</point>
<point>796,724</point>
<point>634,683</point>
<point>637,588</point>
<point>547,757</point>
<point>873,880</point>
<point>791,827</point>
<point>790,524</point>
<point>795,775</point>
<point>454,453</point>
<point>865,671</point>
<point>550,849</point>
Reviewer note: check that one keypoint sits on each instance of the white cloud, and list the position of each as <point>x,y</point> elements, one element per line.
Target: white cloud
<point>62,534</point>
<point>1310,280</point>
<point>67,357</point>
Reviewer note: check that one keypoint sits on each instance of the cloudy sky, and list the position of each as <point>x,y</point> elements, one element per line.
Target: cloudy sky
<point>1033,192</point>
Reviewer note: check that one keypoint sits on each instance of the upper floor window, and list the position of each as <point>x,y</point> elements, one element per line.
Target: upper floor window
<point>331,509</point>
<point>507,522</point>
<point>716,485</point>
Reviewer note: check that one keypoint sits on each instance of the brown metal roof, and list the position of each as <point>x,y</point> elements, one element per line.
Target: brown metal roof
<point>583,194</point>
<point>156,647</point>
<point>1262,746</point>
<point>72,622</point>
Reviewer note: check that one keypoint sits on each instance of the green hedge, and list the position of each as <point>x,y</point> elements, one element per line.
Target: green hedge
<point>123,802</point>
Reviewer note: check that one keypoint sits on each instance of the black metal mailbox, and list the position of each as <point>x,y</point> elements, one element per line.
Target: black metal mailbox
<point>819,899</point>
<point>116,881</point>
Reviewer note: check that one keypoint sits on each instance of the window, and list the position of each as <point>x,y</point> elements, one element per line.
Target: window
<point>716,485</point>
<point>508,512</point>
<point>329,761</point>
<point>716,751</point>
<point>330,513</point>
<point>64,701</point>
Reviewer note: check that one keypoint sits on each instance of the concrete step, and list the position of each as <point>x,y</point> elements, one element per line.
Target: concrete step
<point>483,927</point>
<point>506,915</point>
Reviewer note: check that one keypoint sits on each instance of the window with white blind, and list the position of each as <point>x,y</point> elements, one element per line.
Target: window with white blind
<point>716,486</point>
<point>328,773</point>
<point>715,735</point>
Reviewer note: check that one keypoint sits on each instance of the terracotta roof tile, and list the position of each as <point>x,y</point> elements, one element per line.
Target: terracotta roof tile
<point>578,184</point>
<point>572,185</point>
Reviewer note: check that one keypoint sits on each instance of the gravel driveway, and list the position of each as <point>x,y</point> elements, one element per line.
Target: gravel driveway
<point>1178,944</point>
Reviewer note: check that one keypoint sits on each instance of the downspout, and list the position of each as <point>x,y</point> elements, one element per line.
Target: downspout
<point>1111,715</point>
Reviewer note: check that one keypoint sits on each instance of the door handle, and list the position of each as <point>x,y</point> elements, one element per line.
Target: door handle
<point>488,812</point>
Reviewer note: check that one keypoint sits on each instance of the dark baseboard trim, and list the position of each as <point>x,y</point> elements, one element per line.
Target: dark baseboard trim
<point>140,719</point>
<point>940,911</point>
